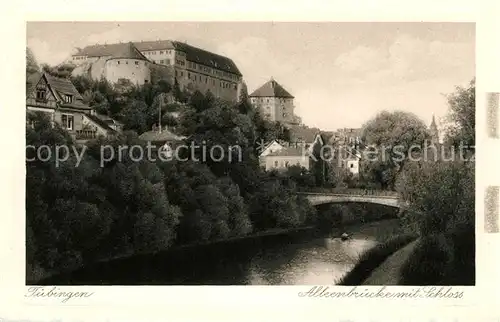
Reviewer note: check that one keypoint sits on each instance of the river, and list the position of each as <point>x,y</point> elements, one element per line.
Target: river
<point>286,259</point>
<point>316,261</point>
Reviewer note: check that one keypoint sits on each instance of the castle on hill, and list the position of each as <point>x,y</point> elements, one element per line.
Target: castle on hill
<point>191,67</point>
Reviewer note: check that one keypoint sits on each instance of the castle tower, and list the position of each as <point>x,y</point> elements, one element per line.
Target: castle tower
<point>275,103</point>
<point>434,131</point>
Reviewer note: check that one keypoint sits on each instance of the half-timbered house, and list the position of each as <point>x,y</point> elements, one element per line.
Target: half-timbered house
<point>59,98</point>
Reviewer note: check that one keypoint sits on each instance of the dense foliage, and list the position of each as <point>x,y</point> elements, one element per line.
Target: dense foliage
<point>81,211</point>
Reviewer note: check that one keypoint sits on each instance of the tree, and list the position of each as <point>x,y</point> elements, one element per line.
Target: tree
<point>391,136</point>
<point>63,70</point>
<point>462,116</point>
<point>31,63</point>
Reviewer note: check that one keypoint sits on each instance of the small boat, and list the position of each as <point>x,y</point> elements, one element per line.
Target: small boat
<point>344,236</point>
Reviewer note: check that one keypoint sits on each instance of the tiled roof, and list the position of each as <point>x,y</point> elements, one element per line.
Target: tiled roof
<point>207,58</point>
<point>122,50</point>
<point>154,45</point>
<point>303,134</point>
<point>327,136</point>
<point>271,89</point>
<point>193,54</point>
<point>103,124</point>
<point>62,86</point>
<point>289,152</point>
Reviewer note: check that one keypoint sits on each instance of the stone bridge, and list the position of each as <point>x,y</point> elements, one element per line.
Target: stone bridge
<point>326,196</point>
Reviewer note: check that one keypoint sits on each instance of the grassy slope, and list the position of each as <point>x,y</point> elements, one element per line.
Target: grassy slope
<point>389,272</point>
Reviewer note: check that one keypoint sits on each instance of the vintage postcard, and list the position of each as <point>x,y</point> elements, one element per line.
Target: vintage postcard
<point>337,159</point>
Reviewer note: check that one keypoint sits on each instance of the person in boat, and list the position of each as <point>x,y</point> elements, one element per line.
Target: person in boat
<point>344,236</point>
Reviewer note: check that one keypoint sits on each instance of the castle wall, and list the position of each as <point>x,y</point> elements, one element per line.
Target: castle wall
<point>135,70</point>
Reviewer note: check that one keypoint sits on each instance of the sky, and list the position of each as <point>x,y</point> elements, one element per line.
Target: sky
<point>341,74</point>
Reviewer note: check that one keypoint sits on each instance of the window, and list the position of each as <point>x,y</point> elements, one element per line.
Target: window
<point>161,52</point>
<point>40,94</point>
<point>118,62</point>
<point>287,164</point>
<point>127,62</point>
<point>206,80</point>
<point>189,75</point>
<point>67,121</point>
<point>182,74</point>
<point>68,98</point>
<point>162,61</point>
<point>137,63</point>
<point>167,61</point>
<point>146,81</point>
<point>352,165</point>
<point>275,164</point>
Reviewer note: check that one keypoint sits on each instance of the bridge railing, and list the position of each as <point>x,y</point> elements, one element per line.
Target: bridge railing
<point>346,191</point>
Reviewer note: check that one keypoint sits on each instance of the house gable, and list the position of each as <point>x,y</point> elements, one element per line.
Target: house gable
<point>273,146</point>
<point>33,99</point>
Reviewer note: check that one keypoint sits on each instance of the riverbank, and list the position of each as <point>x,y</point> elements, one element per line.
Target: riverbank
<point>374,258</point>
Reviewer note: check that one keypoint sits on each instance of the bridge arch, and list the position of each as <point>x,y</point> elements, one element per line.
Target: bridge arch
<point>386,198</point>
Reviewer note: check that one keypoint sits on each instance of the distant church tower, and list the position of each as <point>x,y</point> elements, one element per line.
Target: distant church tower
<point>434,131</point>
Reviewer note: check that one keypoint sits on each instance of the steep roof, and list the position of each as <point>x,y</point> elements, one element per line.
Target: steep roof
<point>193,54</point>
<point>103,124</point>
<point>289,152</point>
<point>299,133</point>
<point>63,86</point>
<point>207,58</point>
<point>271,89</point>
<point>121,50</point>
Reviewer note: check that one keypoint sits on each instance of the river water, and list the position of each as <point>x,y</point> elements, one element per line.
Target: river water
<point>316,261</point>
<point>288,259</point>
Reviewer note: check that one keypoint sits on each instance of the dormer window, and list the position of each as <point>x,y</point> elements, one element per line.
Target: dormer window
<point>68,98</point>
<point>40,94</point>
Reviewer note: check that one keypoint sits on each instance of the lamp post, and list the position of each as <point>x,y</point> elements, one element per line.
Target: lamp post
<point>159,111</point>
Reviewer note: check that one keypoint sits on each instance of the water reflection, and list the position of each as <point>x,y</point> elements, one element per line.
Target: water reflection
<point>322,261</point>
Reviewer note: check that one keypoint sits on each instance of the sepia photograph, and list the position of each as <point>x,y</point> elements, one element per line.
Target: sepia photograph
<point>250,153</point>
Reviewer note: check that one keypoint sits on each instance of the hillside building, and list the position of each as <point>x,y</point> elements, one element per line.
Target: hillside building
<point>275,103</point>
<point>192,67</point>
